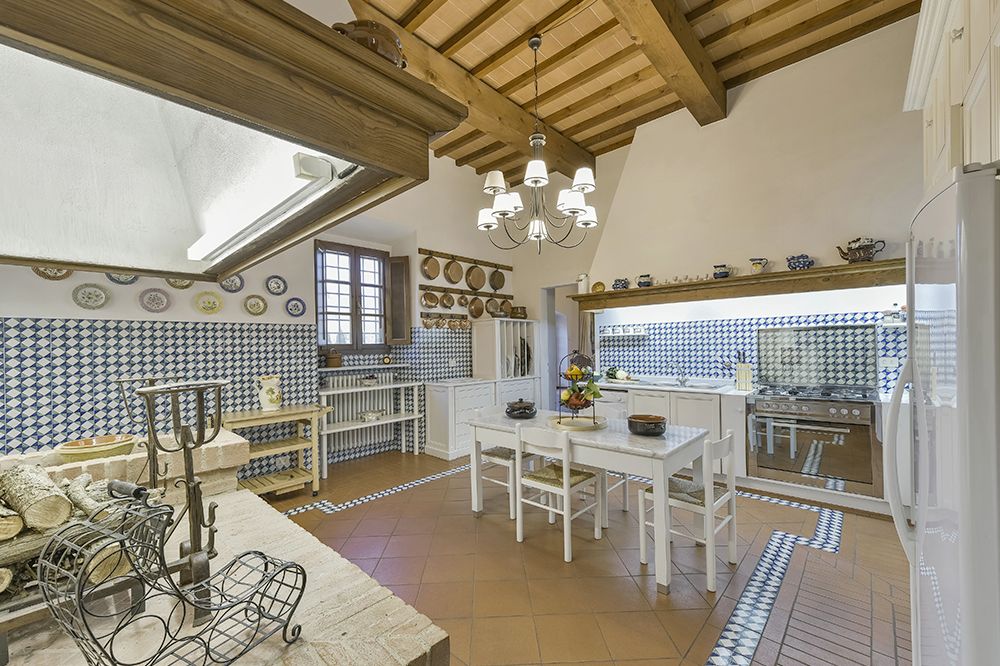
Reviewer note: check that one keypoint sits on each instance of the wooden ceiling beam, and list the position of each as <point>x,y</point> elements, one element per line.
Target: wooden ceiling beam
<point>617,111</point>
<point>667,39</point>
<point>616,88</point>
<point>842,37</point>
<point>586,76</point>
<point>477,26</point>
<point>502,161</point>
<point>477,155</point>
<point>706,11</point>
<point>615,145</point>
<point>459,141</point>
<point>489,111</point>
<point>564,55</point>
<point>800,29</point>
<point>630,125</point>
<point>419,13</point>
<point>759,18</point>
<point>510,49</point>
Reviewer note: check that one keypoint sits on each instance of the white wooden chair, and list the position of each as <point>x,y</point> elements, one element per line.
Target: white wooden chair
<point>703,497</point>
<point>504,457</point>
<point>558,481</point>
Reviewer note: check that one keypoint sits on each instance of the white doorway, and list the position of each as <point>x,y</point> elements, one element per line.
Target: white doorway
<point>560,317</point>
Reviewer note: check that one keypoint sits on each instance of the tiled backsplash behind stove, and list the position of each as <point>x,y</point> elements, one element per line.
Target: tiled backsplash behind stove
<point>697,345</point>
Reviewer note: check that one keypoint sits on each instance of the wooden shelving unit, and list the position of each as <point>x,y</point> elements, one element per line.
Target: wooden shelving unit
<point>821,278</point>
<point>290,479</point>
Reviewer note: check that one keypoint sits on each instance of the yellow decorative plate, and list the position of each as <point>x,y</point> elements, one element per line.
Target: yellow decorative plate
<point>597,287</point>
<point>208,302</point>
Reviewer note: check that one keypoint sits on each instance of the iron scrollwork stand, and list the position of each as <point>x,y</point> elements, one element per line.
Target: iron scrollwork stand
<point>155,471</point>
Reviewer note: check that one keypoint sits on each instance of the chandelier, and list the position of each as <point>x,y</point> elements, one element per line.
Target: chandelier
<point>536,222</point>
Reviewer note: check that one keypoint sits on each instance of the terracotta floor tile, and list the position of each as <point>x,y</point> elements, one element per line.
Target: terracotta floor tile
<point>334,527</point>
<point>683,595</point>
<point>365,564</point>
<point>459,636</point>
<point>408,545</point>
<point>495,598</point>
<point>637,635</point>
<point>504,640</point>
<point>449,568</point>
<point>399,570</point>
<point>416,525</point>
<point>570,638</point>
<point>683,626</point>
<point>445,600</point>
<point>499,566</point>
<point>556,595</point>
<point>407,593</point>
<point>369,526</point>
<point>364,547</point>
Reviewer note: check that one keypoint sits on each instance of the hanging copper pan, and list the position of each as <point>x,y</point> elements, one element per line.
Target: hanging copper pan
<point>475,277</point>
<point>463,300</point>
<point>506,307</point>
<point>430,268</point>
<point>429,299</point>
<point>447,300</point>
<point>492,306</point>
<point>476,307</point>
<point>453,272</point>
<point>497,279</point>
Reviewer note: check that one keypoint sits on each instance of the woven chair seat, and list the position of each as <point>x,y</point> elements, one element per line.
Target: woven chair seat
<point>552,475</point>
<point>691,492</point>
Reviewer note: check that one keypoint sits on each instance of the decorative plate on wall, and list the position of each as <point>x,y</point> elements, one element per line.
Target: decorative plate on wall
<point>255,305</point>
<point>208,302</point>
<point>233,283</point>
<point>122,278</point>
<point>178,283</point>
<point>154,300</point>
<point>91,296</point>
<point>296,307</point>
<point>51,273</point>
<point>275,285</point>
<point>597,287</point>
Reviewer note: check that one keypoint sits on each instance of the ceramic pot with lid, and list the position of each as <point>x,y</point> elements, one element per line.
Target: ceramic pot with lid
<point>521,409</point>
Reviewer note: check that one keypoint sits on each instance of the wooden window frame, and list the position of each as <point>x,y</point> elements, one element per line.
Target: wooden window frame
<point>355,252</point>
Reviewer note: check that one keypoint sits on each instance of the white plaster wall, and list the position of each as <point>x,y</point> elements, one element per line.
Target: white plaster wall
<point>810,156</point>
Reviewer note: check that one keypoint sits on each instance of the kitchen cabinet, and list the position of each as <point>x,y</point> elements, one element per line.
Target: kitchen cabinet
<point>517,389</point>
<point>649,402</point>
<point>977,117</point>
<point>957,38</point>
<point>733,416</point>
<point>504,348</point>
<point>612,404</point>
<point>700,410</point>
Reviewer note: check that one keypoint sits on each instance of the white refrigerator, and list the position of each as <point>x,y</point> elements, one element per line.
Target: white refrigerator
<point>949,522</point>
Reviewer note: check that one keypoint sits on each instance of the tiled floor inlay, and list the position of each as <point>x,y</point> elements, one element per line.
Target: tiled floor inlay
<point>743,631</point>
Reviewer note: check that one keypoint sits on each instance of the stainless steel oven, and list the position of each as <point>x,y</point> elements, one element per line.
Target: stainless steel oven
<point>824,442</point>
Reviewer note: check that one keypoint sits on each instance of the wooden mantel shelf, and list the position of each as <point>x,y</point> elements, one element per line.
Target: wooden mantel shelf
<point>821,278</point>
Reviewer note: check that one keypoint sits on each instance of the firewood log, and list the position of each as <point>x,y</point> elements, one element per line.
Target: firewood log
<point>77,492</point>
<point>28,490</point>
<point>10,522</point>
<point>6,575</point>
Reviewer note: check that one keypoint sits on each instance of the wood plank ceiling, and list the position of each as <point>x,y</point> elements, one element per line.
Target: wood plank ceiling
<point>596,84</point>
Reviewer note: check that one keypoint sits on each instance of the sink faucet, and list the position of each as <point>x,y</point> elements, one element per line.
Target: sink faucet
<point>675,368</point>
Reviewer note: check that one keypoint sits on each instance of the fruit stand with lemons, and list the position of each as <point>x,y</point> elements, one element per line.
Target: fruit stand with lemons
<point>578,394</point>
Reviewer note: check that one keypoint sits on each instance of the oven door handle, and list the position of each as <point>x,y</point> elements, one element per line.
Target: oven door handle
<point>890,464</point>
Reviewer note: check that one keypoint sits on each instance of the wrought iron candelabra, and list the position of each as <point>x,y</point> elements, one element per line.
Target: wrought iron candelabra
<point>140,418</point>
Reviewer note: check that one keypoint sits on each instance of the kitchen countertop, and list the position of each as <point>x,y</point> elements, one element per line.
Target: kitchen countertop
<point>463,381</point>
<point>727,389</point>
<point>615,437</point>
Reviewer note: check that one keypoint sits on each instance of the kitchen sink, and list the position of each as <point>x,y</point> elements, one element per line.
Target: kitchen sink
<point>691,383</point>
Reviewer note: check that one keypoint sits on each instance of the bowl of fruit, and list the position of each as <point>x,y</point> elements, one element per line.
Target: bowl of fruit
<point>577,373</point>
<point>579,395</point>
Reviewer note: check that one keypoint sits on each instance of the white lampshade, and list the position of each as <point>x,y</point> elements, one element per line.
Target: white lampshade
<point>583,180</point>
<point>486,221</point>
<point>503,206</point>
<point>516,198</point>
<point>495,184</point>
<point>588,218</point>
<point>536,174</point>
<point>536,231</point>
<point>570,202</point>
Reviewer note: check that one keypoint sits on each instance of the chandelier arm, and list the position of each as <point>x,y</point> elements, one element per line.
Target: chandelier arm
<point>512,239</point>
<point>560,243</point>
<point>501,247</point>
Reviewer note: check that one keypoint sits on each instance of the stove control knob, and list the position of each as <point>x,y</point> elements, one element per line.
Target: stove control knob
<point>833,410</point>
<point>844,412</point>
<point>856,412</point>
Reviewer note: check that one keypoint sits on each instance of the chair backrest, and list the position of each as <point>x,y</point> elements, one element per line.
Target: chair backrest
<point>544,442</point>
<point>717,450</point>
<point>721,448</point>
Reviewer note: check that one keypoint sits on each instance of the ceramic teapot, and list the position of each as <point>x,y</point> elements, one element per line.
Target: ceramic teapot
<point>861,249</point>
<point>644,280</point>
<point>269,392</point>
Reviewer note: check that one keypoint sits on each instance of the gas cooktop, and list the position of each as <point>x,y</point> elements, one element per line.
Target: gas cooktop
<point>848,393</point>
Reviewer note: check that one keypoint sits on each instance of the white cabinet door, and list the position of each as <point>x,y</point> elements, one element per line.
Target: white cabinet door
<point>612,404</point>
<point>977,118</point>
<point>995,87</point>
<point>699,410</point>
<point>649,402</point>
<point>509,391</point>
<point>734,417</point>
<point>467,400</point>
<point>956,40</point>
<point>979,30</point>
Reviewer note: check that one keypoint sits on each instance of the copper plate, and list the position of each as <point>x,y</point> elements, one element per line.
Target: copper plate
<point>475,277</point>
<point>430,268</point>
<point>428,323</point>
<point>476,307</point>
<point>492,306</point>
<point>447,300</point>
<point>453,272</point>
<point>429,299</point>
<point>497,279</point>
<point>506,307</point>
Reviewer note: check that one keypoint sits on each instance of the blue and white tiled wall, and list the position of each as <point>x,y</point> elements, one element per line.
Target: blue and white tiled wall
<point>698,345</point>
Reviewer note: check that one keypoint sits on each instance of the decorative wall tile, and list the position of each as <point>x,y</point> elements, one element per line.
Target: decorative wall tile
<point>821,355</point>
<point>700,347</point>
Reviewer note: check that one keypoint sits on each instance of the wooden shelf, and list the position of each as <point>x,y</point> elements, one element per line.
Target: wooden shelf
<point>279,446</point>
<point>344,426</point>
<point>277,482</point>
<point>284,414</point>
<point>341,390</point>
<point>822,278</point>
<point>373,366</point>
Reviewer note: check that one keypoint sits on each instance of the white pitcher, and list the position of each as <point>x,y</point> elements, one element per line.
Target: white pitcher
<point>269,392</point>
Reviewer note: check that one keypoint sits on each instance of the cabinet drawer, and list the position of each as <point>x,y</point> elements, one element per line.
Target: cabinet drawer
<point>515,390</point>
<point>476,396</point>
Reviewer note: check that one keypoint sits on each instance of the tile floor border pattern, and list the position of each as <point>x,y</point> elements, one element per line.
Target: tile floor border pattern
<point>739,639</point>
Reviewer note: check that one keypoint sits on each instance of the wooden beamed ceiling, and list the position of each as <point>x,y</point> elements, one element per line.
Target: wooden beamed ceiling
<point>605,66</point>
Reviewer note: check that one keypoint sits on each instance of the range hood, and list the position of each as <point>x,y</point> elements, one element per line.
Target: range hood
<point>194,139</point>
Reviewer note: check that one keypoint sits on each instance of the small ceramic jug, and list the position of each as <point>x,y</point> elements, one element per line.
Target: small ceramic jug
<point>757,265</point>
<point>722,271</point>
<point>269,392</point>
<point>619,284</point>
<point>644,280</point>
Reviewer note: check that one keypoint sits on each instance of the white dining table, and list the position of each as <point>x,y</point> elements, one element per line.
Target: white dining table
<point>612,448</point>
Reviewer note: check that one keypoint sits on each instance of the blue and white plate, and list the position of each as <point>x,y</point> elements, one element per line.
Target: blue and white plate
<point>91,296</point>
<point>296,307</point>
<point>233,283</point>
<point>275,285</point>
<point>154,300</point>
<point>122,278</point>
